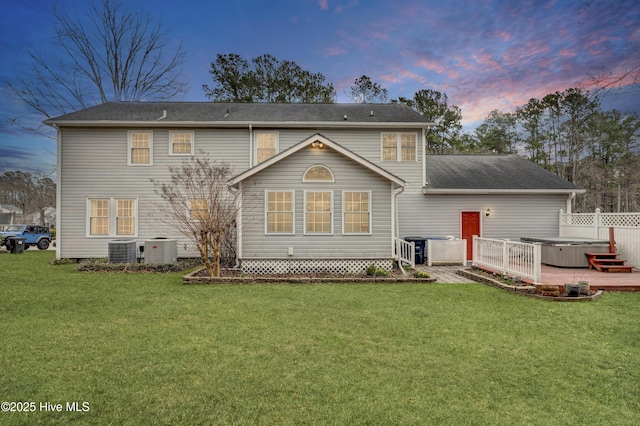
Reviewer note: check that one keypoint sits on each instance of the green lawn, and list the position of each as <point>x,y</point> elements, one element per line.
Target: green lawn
<point>144,349</point>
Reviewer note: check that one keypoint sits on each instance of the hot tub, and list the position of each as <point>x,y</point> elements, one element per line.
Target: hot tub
<point>568,252</point>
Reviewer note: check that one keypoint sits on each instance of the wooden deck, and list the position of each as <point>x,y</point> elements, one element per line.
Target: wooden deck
<point>552,275</point>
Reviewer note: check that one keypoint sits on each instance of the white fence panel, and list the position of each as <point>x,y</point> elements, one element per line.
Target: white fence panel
<point>626,228</point>
<point>446,251</point>
<point>509,257</point>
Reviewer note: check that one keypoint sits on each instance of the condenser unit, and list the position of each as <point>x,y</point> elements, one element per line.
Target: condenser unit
<point>160,250</point>
<point>122,251</point>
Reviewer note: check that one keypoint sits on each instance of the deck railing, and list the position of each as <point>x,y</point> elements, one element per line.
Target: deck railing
<point>405,252</point>
<point>509,257</point>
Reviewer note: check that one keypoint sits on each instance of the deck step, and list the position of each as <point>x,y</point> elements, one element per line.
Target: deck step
<point>607,262</point>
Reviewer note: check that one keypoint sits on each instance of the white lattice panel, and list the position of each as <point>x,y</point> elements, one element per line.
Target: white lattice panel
<point>312,266</point>
<point>620,219</point>
<point>581,219</point>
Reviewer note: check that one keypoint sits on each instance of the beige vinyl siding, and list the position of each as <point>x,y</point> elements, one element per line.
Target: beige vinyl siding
<point>94,165</point>
<point>287,175</point>
<point>512,216</point>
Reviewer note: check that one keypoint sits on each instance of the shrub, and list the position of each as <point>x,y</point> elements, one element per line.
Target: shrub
<point>420,274</point>
<point>101,265</point>
<point>375,271</point>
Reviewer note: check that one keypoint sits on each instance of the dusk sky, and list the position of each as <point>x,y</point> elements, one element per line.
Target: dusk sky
<point>485,55</point>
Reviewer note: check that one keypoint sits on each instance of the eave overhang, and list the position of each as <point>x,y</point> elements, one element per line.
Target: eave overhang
<point>450,191</point>
<point>238,124</point>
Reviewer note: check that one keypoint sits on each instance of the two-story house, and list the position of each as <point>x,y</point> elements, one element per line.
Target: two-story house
<point>321,184</point>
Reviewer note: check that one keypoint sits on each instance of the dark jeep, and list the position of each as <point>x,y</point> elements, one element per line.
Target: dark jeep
<point>33,235</point>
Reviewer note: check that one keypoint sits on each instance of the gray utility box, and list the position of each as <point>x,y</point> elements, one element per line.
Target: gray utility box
<point>160,251</point>
<point>122,251</point>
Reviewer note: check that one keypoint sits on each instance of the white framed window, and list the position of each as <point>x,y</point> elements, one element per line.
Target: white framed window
<point>318,173</point>
<point>266,145</point>
<point>318,212</point>
<point>356,212</point>
<point>125,217</point>
<point>279,212</point>
<point>99,217</point>
<point>399,147</point>
<point>181,142</point>
<point>198,209</point>
<point>140,148</point>
<point>112,217</point>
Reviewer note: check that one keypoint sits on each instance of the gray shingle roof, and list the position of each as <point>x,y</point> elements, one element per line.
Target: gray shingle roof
<point>212,112</point>
<point>490,172</point>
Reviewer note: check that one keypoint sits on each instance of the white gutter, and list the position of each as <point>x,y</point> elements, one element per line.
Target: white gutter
<point>231,124</point>
<point>438,191</point>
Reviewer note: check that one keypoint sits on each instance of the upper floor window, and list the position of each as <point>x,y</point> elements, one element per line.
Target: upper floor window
<point>140,148</point>
<point>181,142</point>
<point>266,145</point>
<point>318,173</point>
<point>399,147</point>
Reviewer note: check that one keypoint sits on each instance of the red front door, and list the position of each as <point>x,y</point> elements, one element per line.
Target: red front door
<point>470,227</point>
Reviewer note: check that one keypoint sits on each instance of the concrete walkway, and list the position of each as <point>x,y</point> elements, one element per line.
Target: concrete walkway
<point>446,274</point>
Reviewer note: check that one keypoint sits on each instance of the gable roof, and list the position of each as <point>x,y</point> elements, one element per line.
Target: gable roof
<point>467,174</point>
<point>241,114</point>
<point>328,143</point>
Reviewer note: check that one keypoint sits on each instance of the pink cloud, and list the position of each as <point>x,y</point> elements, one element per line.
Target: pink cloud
<point>334,51</point>
<point>567,53</point>
<point>431,65</point>
<point>324,4</point>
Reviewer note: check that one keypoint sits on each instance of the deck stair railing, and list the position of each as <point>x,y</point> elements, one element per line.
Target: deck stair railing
<point>405,252</point>
<point>509,257</point>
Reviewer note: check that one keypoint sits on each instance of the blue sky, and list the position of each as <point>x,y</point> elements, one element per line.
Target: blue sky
<point>485,54</point>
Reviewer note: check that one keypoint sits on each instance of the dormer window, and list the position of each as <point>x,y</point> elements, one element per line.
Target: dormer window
<point>318,173</point>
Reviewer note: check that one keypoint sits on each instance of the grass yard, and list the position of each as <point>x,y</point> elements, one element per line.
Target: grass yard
<point>144,349</point>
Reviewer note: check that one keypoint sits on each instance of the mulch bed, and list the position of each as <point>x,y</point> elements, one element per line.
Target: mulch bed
<point>229,276</point>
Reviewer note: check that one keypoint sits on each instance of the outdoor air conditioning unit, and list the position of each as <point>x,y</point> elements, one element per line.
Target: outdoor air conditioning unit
<point>160,250</point>
<point>122,251</point>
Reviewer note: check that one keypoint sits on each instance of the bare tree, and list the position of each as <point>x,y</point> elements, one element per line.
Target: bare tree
<point>625,75</point>
<point>109,54</point>
<point>32,194</point>
<point>200,204</point>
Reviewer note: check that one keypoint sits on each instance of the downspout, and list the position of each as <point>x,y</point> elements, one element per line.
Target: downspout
<point>58,187</point>
<point>395,228</point>
<point>424,157</point>
<point>250,145</point>
<point>569,200</point>
<point>238,224</point>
